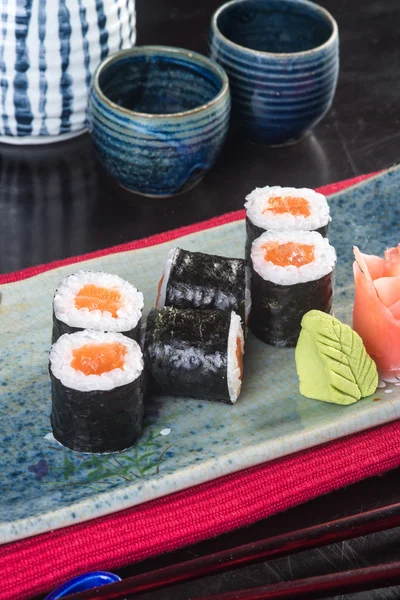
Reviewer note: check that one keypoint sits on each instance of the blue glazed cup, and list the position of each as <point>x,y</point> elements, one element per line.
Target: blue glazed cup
<point>282,60</point>
<point>158,117</point>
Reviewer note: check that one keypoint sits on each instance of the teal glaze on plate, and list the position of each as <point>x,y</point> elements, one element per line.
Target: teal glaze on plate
<point>158,117</point>
<point>282,60</point>
<point>184,442</point>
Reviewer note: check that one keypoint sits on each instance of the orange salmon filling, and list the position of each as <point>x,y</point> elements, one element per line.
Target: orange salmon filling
<point>95,359</point>
<point>99,298</point>
<point>159,288</point>
<point>239,355</point>
<point>290,253</point>
<point>289,204</point>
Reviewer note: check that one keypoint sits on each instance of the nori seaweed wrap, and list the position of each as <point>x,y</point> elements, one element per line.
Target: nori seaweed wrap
<point>59,328</point>
<point>194,353</point>
<point>292,274</point>
<point>204,281</point>
<point>85,418</point>
<point>277,310</point>
<point>99,301</point>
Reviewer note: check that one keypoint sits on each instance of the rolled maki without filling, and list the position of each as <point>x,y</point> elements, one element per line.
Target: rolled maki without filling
<point>204,281</point>
<point>99,301</point>
<point>195,353</point>
<point>284,209</point>
<point>292,273</point>
<point>97,391</point>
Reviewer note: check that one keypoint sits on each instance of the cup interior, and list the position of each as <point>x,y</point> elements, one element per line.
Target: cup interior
<point>275,26</point>
<point>158,83</point>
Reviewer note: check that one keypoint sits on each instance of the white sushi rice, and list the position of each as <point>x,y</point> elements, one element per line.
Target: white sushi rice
<point>160,303</point>
<point>323,263</point>
<point>66,311</point>
<point>61,356</point>
<point>233,367</point>
<point>257,209</point>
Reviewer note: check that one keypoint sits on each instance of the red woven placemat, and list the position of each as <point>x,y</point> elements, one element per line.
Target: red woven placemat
<point>34,565</point>
<point>160,238</point>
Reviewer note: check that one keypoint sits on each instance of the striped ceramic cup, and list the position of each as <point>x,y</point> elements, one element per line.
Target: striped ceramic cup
<point>158,117</point>
<point>48,52</point>
<point>282,59</point>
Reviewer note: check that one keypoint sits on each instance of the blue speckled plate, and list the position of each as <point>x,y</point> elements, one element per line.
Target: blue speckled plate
<point>184,442</point>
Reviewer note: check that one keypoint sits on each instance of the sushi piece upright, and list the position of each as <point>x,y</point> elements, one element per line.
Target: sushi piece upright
<point>284,208</point>
<point>204,281</point>
<point>99,301</point>
<point>195,353</point>
<point>292,273</point>
<point>97,391</point>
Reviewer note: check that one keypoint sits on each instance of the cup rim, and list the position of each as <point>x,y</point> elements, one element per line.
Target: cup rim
<point>170,50</point>
<point>215,29</point>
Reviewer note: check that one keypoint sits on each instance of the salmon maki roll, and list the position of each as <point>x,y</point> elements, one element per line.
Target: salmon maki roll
<point>195,353</point>
<point>205,281</point>
<point>97,391</point>
<point>278,208</point>
<point>292,273</point>
<point>99,301</point>
<point>376,311</point>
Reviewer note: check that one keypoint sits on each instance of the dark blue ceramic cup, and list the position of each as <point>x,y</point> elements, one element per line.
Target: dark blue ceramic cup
<point>282,60</point>
<point>158,117</point>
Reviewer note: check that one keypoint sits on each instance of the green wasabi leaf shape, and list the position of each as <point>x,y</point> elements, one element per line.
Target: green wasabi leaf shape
<point>331,361</point>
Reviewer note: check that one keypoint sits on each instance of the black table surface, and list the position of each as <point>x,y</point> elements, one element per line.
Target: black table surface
<point>56,201</point>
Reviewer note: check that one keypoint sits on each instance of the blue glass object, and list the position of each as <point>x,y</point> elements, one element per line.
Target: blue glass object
<point>86,581</point>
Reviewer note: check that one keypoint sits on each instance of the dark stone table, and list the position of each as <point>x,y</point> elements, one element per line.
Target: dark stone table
<point>56,202</point>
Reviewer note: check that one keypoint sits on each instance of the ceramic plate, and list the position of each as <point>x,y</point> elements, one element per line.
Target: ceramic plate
<point>184,442</point>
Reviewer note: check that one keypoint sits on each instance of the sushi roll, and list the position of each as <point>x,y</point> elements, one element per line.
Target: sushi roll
<point>195,353</point>
<point>204,281</point>
<point>292,273</point>
<point>96,391</point>
<point>99,301</point>
<point>284,208</point>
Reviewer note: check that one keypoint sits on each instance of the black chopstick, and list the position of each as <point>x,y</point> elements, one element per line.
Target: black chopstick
<point>323,586</point>
<point>304,539</point>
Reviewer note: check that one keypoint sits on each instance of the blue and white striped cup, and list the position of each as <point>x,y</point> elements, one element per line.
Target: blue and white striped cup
<point>48,52</point>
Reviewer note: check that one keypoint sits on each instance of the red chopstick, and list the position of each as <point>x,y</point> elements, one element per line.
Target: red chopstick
<point>323,586</point>
<point>304,539</point>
